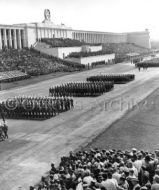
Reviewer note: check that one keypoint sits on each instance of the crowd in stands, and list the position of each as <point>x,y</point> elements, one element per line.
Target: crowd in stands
<point>83,89</point>
<point>122,49</point>
<point>116,79</point>
<point>64,42</point>
<point>30,62</point>
<point>10,76</point>
<point>97,169</point>
<point>87,54</point>
<point>31,107</point>
<point>33,62</point>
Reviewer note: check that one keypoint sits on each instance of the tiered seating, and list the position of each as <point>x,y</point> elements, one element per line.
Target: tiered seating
<point>97,169</point>
<point>117,78</point>
<point>122,49</point>
<point>10,76</point>
<point>34,63</point>
<point>64,42</point>
<point>87,54</point>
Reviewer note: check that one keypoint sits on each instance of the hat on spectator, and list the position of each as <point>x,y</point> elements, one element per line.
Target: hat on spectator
<point>157,171</point>
<point>134,149</point>
<point>85,184</point>
<point>134,179</point>
<point>147,158</point>
<point>156,178</point>
<point>143,188</point>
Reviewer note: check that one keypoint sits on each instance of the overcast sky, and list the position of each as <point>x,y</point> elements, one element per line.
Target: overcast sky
<point>97,15</point>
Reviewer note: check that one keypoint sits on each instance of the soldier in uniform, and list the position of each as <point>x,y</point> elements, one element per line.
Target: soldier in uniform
<point>5,130</point>
<point>1,132</point>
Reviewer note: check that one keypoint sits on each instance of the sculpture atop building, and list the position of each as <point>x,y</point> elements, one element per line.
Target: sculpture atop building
<point>47,16</point>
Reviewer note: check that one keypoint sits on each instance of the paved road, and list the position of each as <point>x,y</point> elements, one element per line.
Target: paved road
<point>33,145</point>
<point>138,128</point>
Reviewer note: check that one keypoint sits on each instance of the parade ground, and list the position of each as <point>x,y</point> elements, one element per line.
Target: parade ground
<point>113,120</point>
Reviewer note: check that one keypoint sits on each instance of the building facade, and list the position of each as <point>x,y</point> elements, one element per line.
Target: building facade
<point>26,35</point>
<point>107,58</point>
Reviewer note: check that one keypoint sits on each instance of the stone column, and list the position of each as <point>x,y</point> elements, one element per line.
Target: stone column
<point>80,36</point>
<point>5,37</point>
<point>51,33</point>
<point>19,39</point>
<point>88,37</point>
<point>38,34</point>
<point>44,33</point>
<point>10,38</point>
<point>14,39</point>
<point>0,40</point>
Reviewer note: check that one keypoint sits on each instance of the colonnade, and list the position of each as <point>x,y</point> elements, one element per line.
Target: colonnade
<point>51,33</point>
<point>11,38</point>
<point>96,37</point>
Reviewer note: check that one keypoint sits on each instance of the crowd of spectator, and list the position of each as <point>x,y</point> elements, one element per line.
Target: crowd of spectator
<point>34,63</point>
<point>10,76</point>
<point>87,54</point>
<point>64,42</point>
<point>111,169</point>
<point>122,49</point>
<point>31,62</point>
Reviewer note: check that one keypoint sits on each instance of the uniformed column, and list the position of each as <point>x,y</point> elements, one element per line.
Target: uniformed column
<point>10,38</point>
<point>5,37</point>
<point>0,40</point>
<point>19,40</point>
<point>14,39</point>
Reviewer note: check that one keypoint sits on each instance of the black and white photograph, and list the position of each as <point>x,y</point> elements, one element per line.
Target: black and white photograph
<point>79,95</point>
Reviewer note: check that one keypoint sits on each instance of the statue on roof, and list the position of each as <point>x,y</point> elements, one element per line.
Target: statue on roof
<point>47,16</point>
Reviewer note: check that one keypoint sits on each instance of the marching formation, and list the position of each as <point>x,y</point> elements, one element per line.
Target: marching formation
<point>38,108</point>
<point>117,79</point>
<point>83,89</point>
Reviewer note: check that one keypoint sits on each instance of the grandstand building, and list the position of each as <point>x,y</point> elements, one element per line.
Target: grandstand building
<point>18,36</point>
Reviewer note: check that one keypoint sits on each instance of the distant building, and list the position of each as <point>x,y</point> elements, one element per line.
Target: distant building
<point>27,34</point>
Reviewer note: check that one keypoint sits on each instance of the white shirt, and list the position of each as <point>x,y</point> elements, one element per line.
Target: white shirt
<point>88,179</point>
<point>137,164</point>
<point>109,184</point>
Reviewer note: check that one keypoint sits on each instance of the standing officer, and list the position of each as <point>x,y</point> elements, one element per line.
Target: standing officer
<point>5,130</point>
